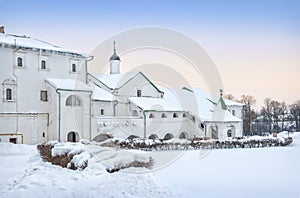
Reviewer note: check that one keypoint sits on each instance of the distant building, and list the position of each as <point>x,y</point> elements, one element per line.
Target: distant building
<point>48,94</point>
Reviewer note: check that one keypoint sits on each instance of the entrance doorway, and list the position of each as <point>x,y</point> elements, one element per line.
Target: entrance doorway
<point>72,137</point>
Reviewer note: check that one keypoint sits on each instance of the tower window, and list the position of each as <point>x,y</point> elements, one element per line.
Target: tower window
<point>139,93</point>
<point>20,62</point>
<point>43,64</point>
<point>8,94</point>
<point>74,69</point>
<point>44,96</point>
<point>102,112</point>
<point>163,115</point>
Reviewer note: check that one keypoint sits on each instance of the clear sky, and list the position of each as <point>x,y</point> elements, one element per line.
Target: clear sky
<point>254,43</point>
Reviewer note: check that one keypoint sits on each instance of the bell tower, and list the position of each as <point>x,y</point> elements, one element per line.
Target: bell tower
<point>114,62</point>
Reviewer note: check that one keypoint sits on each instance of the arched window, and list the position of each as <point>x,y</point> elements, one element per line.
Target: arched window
<point>8,94</point>
<point>20,62</point>
<point>101,111</point>
<point>163,115</point>
<point>9,89</point>
<point>175,115</point>
<point>74,69</point>
<point>43,64</point>
<point>151,115</point>
<point>135,113</point>
<point>184,115</point>
<point>73,100</point>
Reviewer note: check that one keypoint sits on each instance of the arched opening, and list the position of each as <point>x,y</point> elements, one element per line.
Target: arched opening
<point>163,115</point>
<point>131,137</point>
<point>153,137</point>
<point>151,115</point>
<point>201,126</point>
<point>73,137</point>
<point>175,115</point>
<point>183,135</point>
<point>184,115</point>
<point>214,132</point>
<point>135,113</point>
<point>230,130</point>
<point>73,100</point>
<point>168,136</point>
<point>102,137</point>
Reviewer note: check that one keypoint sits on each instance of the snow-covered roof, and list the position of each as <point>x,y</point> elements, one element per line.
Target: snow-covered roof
<point>102,95</point>
<point>115,80</point>
<point>232,103</point>
<point>68,84</point>
<point>27,42</point>
<point>207,110</point>
<point>197,103</point>
<point>170,102</point>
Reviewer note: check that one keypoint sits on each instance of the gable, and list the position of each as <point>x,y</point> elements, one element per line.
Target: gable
<point>142,83</point>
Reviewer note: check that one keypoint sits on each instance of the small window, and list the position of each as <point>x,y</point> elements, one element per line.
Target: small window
<point>163,115</point>
<point>44,96</point>
<point>20,62</point>
<point>233,112</point>
<point>184,115</point>
<point>74,69</point>
<point>102,112</point>
<point>139,93</point>
<point>43,134</point>
<point>43,64</point>
<point>151,115</point>
<point>175,115</point>
<point>8,94</point>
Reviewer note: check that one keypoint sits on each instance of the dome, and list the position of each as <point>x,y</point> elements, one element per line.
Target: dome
<point>114,57</point>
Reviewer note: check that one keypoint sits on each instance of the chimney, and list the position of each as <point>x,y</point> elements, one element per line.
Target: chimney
<point>2,29</point>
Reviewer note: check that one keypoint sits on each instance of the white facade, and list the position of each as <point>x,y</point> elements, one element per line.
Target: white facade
<point>47,94</point>
<point>28,107</point>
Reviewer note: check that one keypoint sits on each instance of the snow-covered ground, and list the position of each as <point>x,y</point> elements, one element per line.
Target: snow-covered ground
<point>260,172</point>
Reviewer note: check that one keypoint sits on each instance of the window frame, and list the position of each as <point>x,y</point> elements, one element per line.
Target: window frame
<point>20,62</point>
<point>8,97</point>
<point>138,93</point>
<point>43,65</point>
<point>44,95</point>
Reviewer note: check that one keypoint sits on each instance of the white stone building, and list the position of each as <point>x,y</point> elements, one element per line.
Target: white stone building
<point>48,94</point>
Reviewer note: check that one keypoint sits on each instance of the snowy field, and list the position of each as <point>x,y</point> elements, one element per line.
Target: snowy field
<point>257,172</point>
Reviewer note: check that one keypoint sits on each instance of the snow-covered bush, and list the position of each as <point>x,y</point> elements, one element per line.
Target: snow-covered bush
<point>67,155</point>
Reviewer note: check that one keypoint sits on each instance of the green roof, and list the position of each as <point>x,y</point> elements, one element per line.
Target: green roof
<point>223,105</point>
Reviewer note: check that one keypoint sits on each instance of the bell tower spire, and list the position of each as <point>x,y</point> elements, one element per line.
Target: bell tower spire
<point>114,61</point>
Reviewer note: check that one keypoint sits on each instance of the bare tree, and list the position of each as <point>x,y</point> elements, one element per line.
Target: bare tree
<point>248,111</point>
<point>267,113</point>
<point>284,112</point>
<point>230,97</point>
<point>295,111</point>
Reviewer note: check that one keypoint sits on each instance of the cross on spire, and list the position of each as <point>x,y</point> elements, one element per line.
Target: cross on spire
<point>114,47</point>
